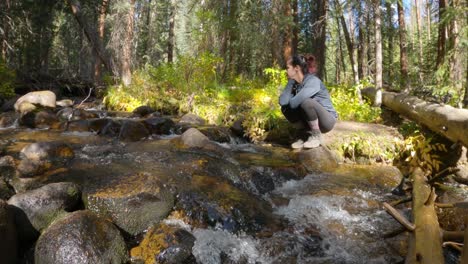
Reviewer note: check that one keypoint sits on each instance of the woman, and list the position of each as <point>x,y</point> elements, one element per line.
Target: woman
<point>306,101</point>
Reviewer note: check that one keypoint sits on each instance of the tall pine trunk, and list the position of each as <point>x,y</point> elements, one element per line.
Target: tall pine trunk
<point>362,44</point>
<point>101,26</point>
<point>442,33</point>
<point>403,45</point>
<point>90,34</point>
<point>170,39</point>
<point>378,53</point>
<point>126,58</point>
<point>419,34</point>
<point>349,44</point>
<point>321,39</point>
<point>6,28</point>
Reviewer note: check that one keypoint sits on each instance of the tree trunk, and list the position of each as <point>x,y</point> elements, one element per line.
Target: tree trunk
<point>91,35</point>
<point>403,45</point>
<point>456,71</point>
<point>6,29</point>
<point>425,243</point>
<point>362,47</point>
<point>101,26</point>
<point>419,34</point>
<point>320,41</point>
<point>378,54</point>
<point>126,59</point>
<point>349,45</point>
<point>443,119</point>
<point>390,48</point>
<point>288,49</point>
<point>170,39</point>
<point>442,35</point>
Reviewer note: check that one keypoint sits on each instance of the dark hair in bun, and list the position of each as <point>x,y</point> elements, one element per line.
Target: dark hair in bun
<point>299,60</point>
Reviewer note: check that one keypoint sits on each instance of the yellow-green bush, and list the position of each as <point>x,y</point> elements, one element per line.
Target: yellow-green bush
<point>346,103</point>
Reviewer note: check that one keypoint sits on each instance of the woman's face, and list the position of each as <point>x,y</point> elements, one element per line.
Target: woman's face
<point>293,71</point>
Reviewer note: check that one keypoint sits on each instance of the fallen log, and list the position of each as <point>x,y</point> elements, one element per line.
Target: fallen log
<point>443,119</point>
<point>425,243</point>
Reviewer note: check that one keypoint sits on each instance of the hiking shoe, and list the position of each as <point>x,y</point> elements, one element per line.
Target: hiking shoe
<point>298,144</point>
<point>314,140</point>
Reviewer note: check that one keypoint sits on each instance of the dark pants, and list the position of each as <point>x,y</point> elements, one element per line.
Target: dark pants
<point>310,110</point>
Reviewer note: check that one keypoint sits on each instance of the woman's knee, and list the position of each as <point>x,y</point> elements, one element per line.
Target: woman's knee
<point>309,103</point>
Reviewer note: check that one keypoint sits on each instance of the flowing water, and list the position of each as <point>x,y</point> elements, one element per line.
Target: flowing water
<point>319,218</point>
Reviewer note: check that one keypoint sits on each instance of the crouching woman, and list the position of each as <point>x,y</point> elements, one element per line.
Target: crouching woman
<point>305,102</point>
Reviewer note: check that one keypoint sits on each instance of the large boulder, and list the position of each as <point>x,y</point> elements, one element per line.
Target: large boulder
<point>192,119</point>
<point>42,98</point>
<point>8,236</point>
<point>81,237</point>
<point>165,244</point>
<point>36,209</point>
<point>40,119</point>
<point>39,157</point>
<point>132,131</point>
<point>133,203</point>
<point>143,111</point>
<point>159,125</point>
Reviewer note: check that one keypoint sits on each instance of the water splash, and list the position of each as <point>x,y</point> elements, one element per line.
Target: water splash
<point>213,246</point>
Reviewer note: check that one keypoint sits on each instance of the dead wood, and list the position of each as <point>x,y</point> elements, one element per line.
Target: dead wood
<point>425,243</point>
<point>398,216</point>
<point>443,119</point>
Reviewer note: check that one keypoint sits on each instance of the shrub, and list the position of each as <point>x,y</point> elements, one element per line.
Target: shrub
<point>7,78</point>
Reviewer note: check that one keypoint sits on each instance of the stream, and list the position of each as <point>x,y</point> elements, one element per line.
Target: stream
<point>289,218</point>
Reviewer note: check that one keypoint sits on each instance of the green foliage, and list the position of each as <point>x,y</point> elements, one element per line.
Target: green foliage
<point>370,146</point>
<point>347,104</point>
<point>7,78</point>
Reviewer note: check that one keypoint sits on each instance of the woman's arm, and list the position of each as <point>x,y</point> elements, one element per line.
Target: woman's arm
<point>286,94</point>
<point>310,87</point>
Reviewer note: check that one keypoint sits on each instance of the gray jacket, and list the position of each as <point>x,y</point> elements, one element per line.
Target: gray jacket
<point>295,93</point>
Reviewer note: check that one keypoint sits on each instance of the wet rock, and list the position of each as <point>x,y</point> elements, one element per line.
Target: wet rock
<point>262,182</point>
<point>7,167</point>
<point>8,119</point>
<point>8,236</point>
<point>98,124</point>
<point>143,111</point>
<point>165,244</point>
<point>64,103</point>
<point>237,127</point>
<point>79,114</point>
<point>39,119</point>
<point>193,138</point>
<point>111,128</point>
<point>81,237</point>
<point>192,119</point>
<point>36,209</point>
<point>132,131</point>
<point>42,98</point>
<point>39,157</point>
<point>216,202</point>
<point>65,114</point>
<point>6,191</point>
<point>218,134</point>
<point>78,126</point>
<point>159,125</point>
<point>133,203</point>
<point>318,159</point>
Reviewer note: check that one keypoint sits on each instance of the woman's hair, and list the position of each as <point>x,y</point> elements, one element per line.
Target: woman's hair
<point>311,63</point>
<point>299,60</point>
